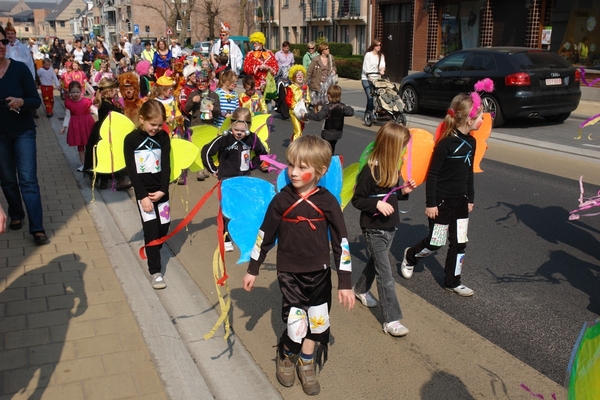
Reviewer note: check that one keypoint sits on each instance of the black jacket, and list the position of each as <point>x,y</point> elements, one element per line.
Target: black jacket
<point>333,114</point>
<point>450,173</point>
<point>230,152</point>
<point>366,195</point>
<point>302,249</point>
<point>152,180</point>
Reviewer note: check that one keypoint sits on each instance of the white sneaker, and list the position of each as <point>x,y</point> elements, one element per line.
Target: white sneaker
<point>157,281</point>
<point>461,290</point>
<point>405,269</point>
<point>366,299</point>
<point>228,246</point>
<point>395,328</point>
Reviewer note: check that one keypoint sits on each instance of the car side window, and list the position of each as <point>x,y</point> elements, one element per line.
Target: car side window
<point>480,62</point>
<point>453,62</point>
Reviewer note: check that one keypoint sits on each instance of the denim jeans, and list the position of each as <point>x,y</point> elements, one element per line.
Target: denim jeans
<point>379,243</point>
<point>367,87</point>
<point>18,159</point>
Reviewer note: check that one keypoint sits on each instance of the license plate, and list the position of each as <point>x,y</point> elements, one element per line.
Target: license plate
<point>553,81</point>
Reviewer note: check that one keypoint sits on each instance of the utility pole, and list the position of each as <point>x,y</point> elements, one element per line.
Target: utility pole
<point>333,21</point>
<point>269,16</point>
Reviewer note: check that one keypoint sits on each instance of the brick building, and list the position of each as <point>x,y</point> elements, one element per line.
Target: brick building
<point>415,32</point>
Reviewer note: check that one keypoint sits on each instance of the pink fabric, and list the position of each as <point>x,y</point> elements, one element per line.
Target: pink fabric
<point>81,122</point>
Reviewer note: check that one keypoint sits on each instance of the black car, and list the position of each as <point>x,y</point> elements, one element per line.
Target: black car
<point>527,83</point>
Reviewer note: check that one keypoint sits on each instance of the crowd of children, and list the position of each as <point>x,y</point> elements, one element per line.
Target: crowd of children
<point>303,217</point>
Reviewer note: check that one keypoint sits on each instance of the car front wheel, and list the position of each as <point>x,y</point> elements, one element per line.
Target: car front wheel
<point>490,105</point>
<point>558,118</point>
<point>410,99</point>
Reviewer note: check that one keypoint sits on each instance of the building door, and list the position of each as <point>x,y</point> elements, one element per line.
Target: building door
<point>397,28</point>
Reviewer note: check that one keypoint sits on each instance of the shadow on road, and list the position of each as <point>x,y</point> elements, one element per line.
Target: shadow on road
<point>443,385</point>
<point>552,224</point>
<point>50,296</point>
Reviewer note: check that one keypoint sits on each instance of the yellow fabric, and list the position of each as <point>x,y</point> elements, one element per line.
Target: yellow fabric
<point>225,305</point>
<point>298,93</point>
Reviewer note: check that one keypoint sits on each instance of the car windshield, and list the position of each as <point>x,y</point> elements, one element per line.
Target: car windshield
<point>532,60</point>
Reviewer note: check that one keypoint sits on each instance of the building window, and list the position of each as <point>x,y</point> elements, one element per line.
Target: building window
<point>361,39</point>
<point>390,13</point>
<point>286,3</point>
<point>62,24</point>
<point>179,25</point>
<point>26,29</point>
<point>345,33</point>
<point>328,33</point>
<point>465,14</point>
<point>286,33</point>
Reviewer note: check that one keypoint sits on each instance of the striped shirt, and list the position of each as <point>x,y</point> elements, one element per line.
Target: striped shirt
<point>229,102</point>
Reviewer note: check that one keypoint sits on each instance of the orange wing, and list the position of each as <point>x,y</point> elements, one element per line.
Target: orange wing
<point>481,135</point>
<point>418,155</point>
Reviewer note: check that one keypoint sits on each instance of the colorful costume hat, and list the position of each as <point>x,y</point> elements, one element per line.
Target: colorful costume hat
<point>294,70</point>
<point>258,37</point>
<point>165,81</point>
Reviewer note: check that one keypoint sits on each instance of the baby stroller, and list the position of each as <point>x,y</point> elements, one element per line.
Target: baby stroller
<point>386,102</point>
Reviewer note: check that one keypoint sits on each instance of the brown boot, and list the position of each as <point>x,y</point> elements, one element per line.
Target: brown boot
<point>285,370</point>
<point>308,377</point>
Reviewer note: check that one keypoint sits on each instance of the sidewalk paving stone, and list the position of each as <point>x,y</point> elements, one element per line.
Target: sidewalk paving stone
<point>66,329</point>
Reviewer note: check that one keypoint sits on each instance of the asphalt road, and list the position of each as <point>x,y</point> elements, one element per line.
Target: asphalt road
<point>521,129</point>
<point>536,275</point>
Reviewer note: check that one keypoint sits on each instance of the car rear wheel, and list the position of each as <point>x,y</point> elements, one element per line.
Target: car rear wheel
<point>558,118</point>
<point>490,105</point>
<point>410,99</point>
<point>368,118</point>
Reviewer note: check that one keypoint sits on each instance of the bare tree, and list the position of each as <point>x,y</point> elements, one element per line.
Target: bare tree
<point>248,16</point>
<point>172,11</point>
<point>211,9</point>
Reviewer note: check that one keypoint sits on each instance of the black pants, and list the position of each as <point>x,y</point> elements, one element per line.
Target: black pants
<point>155,229</point>
<point>282,106</point>
<point>451,213</point>
<point>304,291</point>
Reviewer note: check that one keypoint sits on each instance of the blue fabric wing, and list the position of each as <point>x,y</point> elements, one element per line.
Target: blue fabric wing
<point>332,179</point>
<point>244,200</point>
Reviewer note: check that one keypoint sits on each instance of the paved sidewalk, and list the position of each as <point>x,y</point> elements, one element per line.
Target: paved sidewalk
<point>66,329</point>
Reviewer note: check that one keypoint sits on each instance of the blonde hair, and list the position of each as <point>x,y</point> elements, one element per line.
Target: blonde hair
<point>311,150</point>
<point>390,141</point>
<point>227,76</point>
<point>159,91</point>
<point>242,114</point>
<point>104,86</point>
<point>457,114</point>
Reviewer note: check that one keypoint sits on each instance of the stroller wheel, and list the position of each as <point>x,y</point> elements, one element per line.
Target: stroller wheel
<point>368,118</point>
<point>400,118</point>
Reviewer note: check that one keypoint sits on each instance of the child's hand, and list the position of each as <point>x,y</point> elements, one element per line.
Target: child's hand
<point>248,282</point>
<point>156,196</point>
<point>385,208</point>
<point>147,204</point>
<point>196,99</point>
<point>62,131</point>
<point>346,298</point>
<point>410,185</point>
<point>431,212</point>
<point>471,205</point>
